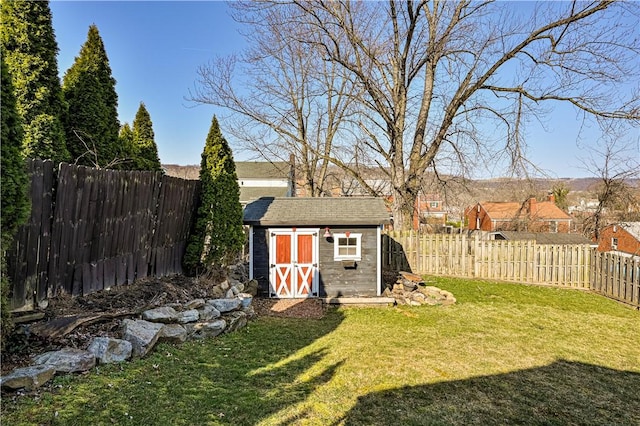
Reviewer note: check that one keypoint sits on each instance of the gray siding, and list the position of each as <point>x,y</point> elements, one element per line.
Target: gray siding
<point>337,281</point>
<point>261,259</point>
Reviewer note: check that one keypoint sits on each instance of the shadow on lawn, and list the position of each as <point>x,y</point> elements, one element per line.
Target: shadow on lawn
<point>561,393</point>
<point>237,379</point>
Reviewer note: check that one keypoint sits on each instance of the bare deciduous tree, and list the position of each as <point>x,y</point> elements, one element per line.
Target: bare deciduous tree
<point>442,86</point>
<point>284,98</point>
<point>616,165</point>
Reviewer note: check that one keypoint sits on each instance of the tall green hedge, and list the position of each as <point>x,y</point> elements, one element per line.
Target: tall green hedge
<point>145,150</point>
<point>29,50</point>
<point>91,122</point>
<point>217,235</point>
<point>14,185</point>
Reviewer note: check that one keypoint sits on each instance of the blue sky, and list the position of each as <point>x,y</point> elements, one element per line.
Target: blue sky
<point>155,48</point>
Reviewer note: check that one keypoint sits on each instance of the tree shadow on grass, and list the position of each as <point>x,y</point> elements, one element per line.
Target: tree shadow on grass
<point>562,393</point>
<point>238,379</point>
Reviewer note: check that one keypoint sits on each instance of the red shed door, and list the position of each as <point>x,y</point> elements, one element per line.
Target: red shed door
<point>294,263</point>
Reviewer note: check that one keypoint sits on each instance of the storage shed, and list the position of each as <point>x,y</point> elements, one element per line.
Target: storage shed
<point>316,247</point>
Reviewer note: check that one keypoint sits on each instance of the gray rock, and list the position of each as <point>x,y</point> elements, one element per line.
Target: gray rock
<point>235,321</point>
<point>28,378</point>
<point>192,315</point>
<point>238,271</point>
<point>409,285</point>
<point>431,291</point>
<point>143,335</point>
<point>245,299</point>
<point>416,296</point>
<point>67,360</point>
<point>173,333</point>
<point>108,350</point>
<point>449,299</point>
<point>250,311</point>
<point>231,293</point>
<point>208,329</point>
<point>239,286</point>
<point>208,312</point>
<point>194,304</point>
<point>446,294</point>
<point>164,314</point>
<point>225,305</point>
<point>251,287</point>
<point>217,292</point>
<point>224,285</point>
<point>397,289</point>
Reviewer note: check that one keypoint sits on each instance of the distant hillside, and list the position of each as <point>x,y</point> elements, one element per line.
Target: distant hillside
<point>574,184</point>
<point>185,172</point>
<point>542,185</point>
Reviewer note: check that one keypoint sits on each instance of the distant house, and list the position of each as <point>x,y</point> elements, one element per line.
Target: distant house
<point>258,179</point>
<point>430,209</point>
<point>621,237</point>
<point>255,178</point>
<point>316,247</point>
<point>540,237</point>
<point>532,216</point>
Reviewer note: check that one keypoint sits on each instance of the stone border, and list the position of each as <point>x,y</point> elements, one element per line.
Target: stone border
<point>173,323</point>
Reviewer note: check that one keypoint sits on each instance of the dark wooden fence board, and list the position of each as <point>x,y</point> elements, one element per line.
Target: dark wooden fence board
<point>27,259</point>
<point>104,228</point>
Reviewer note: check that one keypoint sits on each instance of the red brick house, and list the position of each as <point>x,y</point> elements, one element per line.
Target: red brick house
<point>429,210</point>
<point>532,216</point>
<point>622,237</point>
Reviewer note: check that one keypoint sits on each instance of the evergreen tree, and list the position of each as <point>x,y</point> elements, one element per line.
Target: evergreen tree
<point>217,234</point>
<point>14,184</point>
<point>91,123</point>
<point>126,147</point>
<point>145,149</point>
<point>29,50</point>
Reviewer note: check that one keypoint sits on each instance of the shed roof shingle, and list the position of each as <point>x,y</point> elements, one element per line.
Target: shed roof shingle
<point>316,211</point>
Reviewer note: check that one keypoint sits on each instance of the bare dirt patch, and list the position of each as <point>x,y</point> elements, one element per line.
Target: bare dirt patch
<point>290,308</point>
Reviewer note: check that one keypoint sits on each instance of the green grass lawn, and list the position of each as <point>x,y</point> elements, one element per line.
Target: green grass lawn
<point>504,354</point>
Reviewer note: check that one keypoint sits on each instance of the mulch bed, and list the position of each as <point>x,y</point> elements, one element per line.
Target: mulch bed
<point>289,308</point>
<point>128,300</point>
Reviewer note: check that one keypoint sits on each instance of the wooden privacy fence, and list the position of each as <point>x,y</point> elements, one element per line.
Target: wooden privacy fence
<point>92,229</point>
<point>616,276</point>
<point>461,255</point>
<point>579,266</point>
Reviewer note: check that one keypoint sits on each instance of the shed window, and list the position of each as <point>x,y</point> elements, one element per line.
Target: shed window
<point>614,244</point>
<point>347,247</point>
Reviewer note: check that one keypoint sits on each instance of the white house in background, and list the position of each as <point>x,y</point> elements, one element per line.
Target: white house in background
<point>258,179</point>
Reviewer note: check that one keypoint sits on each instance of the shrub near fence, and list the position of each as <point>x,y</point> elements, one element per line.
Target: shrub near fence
<point>104,228</point>
<point>463,256</point>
